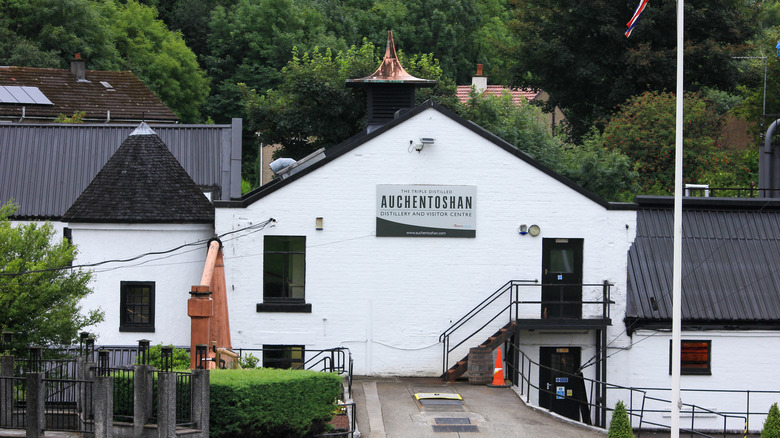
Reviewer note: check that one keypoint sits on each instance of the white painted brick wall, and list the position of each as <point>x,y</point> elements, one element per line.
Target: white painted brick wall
<point>173,274</point>
<point>389,298</point>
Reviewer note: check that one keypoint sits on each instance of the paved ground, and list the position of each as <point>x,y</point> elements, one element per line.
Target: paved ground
<point>386,408</point>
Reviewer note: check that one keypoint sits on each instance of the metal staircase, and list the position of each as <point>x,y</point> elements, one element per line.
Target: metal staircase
<point>493,342</point>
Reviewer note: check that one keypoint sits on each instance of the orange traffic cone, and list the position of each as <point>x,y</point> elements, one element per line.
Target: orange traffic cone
<point>498,373</point>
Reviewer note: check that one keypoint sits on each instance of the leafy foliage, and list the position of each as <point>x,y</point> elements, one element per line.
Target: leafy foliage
<point>39,300</point>
<point>111,35</point>
<point>181,358</point>
<point>312,108</point>
<point>249,361</point>
<point>607,173</point>
<point>576,51</point>
<point>241,51</point>
<point>77,117</point>
<point>161,59</point>
<point>772,423</point>
<point>620,426</point>
<point>270,402</point>
<point>644,130</point>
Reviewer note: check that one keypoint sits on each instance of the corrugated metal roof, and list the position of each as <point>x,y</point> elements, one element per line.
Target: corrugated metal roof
<point>44,168</point>
<point>731,265</point>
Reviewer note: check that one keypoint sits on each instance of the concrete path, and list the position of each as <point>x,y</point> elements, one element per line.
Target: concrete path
<point>386,408</point>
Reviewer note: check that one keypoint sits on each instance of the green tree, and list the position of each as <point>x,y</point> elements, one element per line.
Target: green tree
<point>111,35</point>
<point>47,33</point>
<point>607,173</point>
<point>644,130</point>
<point>312,108</point>
<point>161,59</point>
<point>39,300</point>
<point>251,41</point>
<point>772,423</point>
<point>577,52</point>
<point>620,426</point>
<point>752,108</point>
<point>180,357</point>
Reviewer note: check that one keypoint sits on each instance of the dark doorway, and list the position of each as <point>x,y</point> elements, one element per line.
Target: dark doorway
<point>561,278</point>
<point>557,383</point>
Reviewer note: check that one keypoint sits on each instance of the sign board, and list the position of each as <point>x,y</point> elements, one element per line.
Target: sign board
<point>426,210</point>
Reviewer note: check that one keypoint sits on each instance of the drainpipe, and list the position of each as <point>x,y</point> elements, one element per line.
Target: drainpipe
<point>108,116</point>
<point>766,173</point>
<point>23,111</point>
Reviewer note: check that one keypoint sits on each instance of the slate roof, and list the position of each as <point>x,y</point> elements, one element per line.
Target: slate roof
<point>141,183</point>
<point>105,96</point>
<point>518,95</point>
<point>45,167</point>
<point>731,264</point>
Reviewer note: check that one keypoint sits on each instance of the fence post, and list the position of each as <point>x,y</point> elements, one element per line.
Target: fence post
<point>36,405</point>
<point>103,406</point>
<point>142,398</point>
<point>200,400</point>
<point>166,404</point>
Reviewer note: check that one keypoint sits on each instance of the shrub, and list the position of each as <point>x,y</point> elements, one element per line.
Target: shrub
<point>772,423</point>
<point>249,361</point>
<point>181,357</point>
<point>620,426</point>
<point>268,402</point>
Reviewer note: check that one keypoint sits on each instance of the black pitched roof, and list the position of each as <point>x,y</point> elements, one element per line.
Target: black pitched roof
<point>141,183</point>
<point>363,137</point>
<point>730,266</point>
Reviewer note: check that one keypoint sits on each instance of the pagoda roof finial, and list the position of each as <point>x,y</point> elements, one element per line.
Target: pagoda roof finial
<point>391,70</point>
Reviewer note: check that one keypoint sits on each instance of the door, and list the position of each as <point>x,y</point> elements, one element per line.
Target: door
<point>561,278</point>
<point>557,383</point>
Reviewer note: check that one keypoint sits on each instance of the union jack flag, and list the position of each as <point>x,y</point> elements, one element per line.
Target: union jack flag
<point>632,22</point>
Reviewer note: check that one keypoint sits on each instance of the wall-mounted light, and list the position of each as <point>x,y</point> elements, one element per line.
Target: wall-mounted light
<point>318,224</point>
<point>424,141</point>
<point>523,230</point>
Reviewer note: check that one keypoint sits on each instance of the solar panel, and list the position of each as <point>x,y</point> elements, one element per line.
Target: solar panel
<point>25,95</point>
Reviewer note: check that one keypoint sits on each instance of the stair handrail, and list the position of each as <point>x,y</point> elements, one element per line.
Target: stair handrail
<point>506,287</point>
<point>444,338</point>
<point>522,379</point>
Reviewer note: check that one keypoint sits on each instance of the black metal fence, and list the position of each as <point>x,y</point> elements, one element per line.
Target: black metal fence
<point>183,399</point>
<point>12,412</point>
<point>68,405</point>
<point>124,390</point>
<point>641,403</point>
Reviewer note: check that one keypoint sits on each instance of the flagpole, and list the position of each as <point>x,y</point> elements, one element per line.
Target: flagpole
<point>676,401</point>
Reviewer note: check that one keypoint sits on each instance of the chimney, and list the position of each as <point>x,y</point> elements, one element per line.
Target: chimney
<point>478,81</point>
<point>78,67</point>
<point>389,89</point>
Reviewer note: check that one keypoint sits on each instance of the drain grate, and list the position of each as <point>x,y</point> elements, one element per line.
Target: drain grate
<point>454,424</point>
<point>455,420</point>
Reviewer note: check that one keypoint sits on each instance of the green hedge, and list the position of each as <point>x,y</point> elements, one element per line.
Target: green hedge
<point>269,402</point>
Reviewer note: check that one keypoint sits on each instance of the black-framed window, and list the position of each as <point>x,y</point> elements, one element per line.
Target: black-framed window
<point>284,274</point>
<point>283,356</point>
<point>136,306</point>
<point>695,357</point>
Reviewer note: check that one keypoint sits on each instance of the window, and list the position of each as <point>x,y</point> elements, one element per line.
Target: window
<point>137,306</point>
<point>284,274</point>
<point>283,356</point>
<point>694,357</point>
